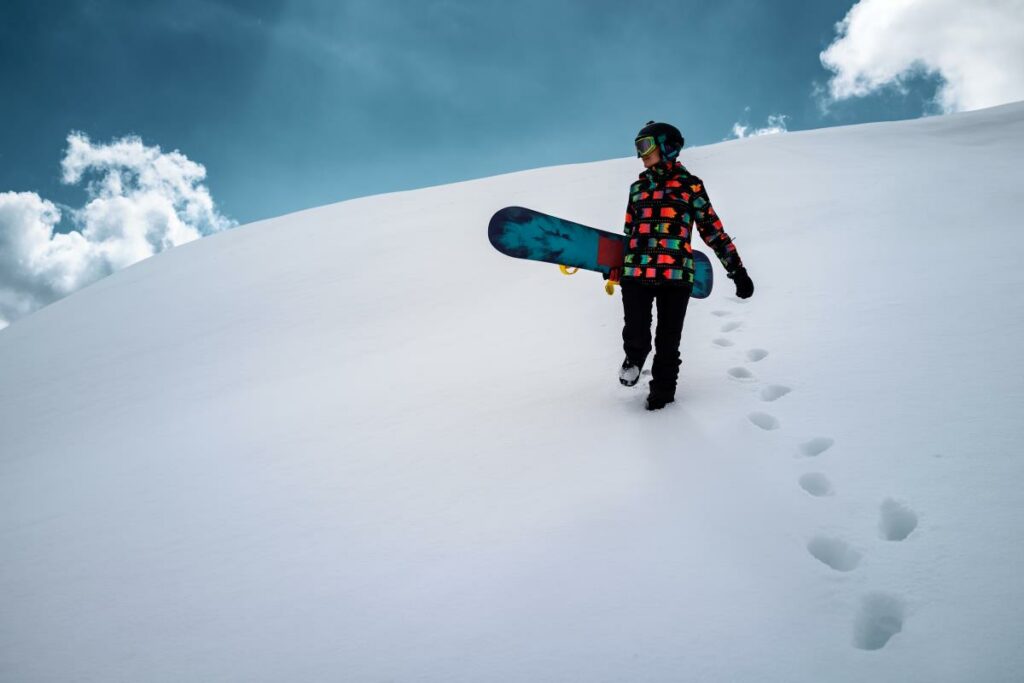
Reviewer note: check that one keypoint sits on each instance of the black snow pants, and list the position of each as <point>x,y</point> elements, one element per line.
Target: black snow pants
<point>637,300</point>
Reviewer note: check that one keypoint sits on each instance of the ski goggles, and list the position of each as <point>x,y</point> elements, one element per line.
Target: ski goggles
<point>645,145</point>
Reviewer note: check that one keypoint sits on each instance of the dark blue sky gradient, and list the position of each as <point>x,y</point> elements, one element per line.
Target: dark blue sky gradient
<point>291,105</point>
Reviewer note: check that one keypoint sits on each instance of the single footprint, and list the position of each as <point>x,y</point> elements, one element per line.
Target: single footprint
<point>722,341</point>
<point>816,446</point>
<point>774,391</point>
<point>816,484</point>
<point>754,355</point>
<point>721,314</point>
<point>729,327</point>
<point>879,619</point>
<point>764,420</point>
<point>834,552</point>
<point>645,373</point>
<point>897,521</point>
<point>740,373</point>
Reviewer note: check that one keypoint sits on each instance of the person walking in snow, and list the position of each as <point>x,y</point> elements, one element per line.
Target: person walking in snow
<point>664,204</point>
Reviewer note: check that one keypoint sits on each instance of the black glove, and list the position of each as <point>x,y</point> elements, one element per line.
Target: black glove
<point>744,285</point>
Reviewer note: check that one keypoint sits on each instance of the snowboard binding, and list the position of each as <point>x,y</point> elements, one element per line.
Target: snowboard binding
<point>609,286</point>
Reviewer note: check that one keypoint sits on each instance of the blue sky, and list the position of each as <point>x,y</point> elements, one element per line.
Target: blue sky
<point>128,127</point>
<point>291,105</point>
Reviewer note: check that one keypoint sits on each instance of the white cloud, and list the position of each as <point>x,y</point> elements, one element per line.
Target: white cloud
<point>141,201</point>
<point>776,124</point>
<point>976,47</point>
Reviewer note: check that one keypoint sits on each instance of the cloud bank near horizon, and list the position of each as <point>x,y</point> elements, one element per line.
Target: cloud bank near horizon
<point>974,47</point>
<point>140,201</point>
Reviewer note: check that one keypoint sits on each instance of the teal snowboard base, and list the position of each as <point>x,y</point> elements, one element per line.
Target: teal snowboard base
<point>528,234</point>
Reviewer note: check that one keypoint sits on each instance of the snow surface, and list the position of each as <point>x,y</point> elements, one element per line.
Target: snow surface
<point>357,444</point>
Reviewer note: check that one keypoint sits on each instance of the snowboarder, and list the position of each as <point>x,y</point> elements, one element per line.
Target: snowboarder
<point>664,204</point>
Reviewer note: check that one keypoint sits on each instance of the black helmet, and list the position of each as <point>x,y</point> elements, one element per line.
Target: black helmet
<point>666,136</point>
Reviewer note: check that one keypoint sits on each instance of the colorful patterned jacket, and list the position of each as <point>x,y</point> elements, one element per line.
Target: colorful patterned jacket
<point>664,203</point>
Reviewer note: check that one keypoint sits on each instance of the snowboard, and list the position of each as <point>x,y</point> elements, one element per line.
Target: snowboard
<point>528,234</point>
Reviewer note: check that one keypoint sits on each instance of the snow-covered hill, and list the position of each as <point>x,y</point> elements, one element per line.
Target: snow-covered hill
<point>357,444</point>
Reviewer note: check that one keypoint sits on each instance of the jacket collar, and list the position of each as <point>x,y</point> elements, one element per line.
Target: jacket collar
<point>663,169</point>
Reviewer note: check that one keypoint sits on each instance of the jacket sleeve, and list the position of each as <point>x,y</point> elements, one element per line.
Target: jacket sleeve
<point>711,231</point>
<point>631,216</point>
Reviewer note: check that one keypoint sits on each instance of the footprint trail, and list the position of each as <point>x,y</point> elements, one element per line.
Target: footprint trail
<point>816,484</point>
<point>879,619</point>
<point>764,421</point>
<point>816,446</point>
<point>834,552</point>
<point>773,392</point>
<point>740,373</point>
<point>897,521</point>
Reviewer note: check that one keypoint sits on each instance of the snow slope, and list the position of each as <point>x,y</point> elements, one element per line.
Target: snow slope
<point>357,444</point>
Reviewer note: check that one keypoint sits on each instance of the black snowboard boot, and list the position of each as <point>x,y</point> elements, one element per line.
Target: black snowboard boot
<point>656,401</point>
<point>629,374</point>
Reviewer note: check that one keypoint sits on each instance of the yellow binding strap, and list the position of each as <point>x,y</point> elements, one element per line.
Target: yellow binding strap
<point>609,286</point>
